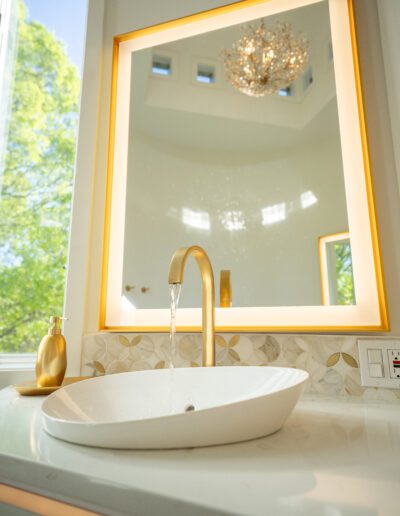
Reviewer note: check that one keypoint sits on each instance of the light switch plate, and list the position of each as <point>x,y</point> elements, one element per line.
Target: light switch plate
<point>387,347</point>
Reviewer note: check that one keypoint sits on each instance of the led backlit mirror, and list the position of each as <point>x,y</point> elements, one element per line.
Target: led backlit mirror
<point>238,130</point>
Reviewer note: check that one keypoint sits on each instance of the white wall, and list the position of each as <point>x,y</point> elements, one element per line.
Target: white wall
<point>80,253</point>
<point>389,21</point>
<point>126,15</point>
<point>275,264</point>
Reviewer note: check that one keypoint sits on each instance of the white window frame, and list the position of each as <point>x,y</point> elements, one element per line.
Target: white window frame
<point>16,367</point>
<point>8,18</point>
<point>19,367</point>
<point>77,278</point>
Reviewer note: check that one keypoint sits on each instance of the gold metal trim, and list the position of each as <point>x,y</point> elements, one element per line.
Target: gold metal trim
<point>245,329</point>
<point>373,219</point>
<point>109,181</point>
<point>39,504</point>
<point>202,15</point>
<point>383,309</point>
<point>225,289</point>
<point>30,388</point>
<point>175,277</point>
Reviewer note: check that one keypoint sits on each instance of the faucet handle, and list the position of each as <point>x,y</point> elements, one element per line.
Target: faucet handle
<point>225,289</point>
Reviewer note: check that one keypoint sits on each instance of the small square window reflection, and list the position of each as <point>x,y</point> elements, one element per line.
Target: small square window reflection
<point>205,74</point>
<point>285,92</point>
<point>161,65</point>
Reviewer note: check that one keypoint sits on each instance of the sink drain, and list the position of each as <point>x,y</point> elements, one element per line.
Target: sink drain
<point>189,408</point>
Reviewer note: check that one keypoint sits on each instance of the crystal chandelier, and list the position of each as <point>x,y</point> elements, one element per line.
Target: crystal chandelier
<point>265,61</point>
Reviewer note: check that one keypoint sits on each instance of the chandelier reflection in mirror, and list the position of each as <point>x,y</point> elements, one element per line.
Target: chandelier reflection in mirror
<point>265,61</point>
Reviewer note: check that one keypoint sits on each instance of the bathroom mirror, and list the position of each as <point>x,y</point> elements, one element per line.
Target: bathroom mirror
<point>238,130</point>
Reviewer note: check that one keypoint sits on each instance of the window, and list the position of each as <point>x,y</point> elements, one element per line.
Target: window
<point>161,65</point>
<point>41,51</point>
<point>205,74</point>
<point>336,270</point>
<point>285,92</point>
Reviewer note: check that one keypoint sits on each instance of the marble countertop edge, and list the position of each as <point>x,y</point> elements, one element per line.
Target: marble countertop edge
<point>94,494</point>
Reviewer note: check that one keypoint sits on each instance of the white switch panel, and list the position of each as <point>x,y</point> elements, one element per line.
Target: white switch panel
<point>375,370</point>
<point>374,356</point>
<point>380,362</point>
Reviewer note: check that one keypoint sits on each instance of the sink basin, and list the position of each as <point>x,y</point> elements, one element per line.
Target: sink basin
<point>174,408</point>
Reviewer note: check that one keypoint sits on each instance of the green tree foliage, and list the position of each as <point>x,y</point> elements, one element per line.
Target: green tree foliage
<point>35,196</point>
<point>344,274</point>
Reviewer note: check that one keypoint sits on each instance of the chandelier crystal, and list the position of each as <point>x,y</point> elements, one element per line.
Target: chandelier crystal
<point>265,61</point>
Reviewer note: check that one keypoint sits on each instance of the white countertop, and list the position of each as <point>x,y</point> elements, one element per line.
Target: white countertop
<point>332,458</point>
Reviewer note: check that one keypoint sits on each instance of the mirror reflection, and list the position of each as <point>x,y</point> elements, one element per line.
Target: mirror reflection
<point>336,270</point>
<point>234,145</point>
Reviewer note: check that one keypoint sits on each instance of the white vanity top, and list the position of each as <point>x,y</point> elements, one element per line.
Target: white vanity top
<point>332,458</point>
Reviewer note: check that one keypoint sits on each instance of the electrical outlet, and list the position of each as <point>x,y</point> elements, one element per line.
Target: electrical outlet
<point>394,363</point>
<point>379,362</point>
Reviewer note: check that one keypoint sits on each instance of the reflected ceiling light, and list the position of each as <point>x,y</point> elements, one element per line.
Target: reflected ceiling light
<point>273,214</point>
<point>233,220</point>
<point>196,219</point>
<point>307,199</point>
<point>265,61</point>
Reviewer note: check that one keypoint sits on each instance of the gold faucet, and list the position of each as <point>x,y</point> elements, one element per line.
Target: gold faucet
<point>175,276</point>
<point>225,289</point>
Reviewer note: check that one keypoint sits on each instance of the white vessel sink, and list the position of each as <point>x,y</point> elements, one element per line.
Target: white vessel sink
<point>174,408</point>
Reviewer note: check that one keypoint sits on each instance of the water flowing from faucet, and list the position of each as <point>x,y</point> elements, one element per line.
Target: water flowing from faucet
<point>174,292</point>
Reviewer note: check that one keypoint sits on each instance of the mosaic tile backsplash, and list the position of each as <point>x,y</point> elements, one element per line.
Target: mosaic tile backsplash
<point>332,361</point>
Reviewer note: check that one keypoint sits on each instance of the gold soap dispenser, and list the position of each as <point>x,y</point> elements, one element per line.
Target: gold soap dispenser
<point>51,362</point>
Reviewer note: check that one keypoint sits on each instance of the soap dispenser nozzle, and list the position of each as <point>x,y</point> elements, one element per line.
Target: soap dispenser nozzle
<point>55,324</point>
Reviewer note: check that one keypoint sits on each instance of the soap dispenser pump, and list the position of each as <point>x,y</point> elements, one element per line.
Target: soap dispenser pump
<point>51,362</point>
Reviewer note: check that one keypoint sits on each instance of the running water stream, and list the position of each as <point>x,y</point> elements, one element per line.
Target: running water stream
<point>174,292</point>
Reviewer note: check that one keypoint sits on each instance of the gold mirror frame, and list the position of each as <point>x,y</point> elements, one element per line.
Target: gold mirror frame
<point>370,314</point>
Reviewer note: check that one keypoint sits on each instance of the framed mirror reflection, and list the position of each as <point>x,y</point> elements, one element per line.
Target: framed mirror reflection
<point>238,130</point>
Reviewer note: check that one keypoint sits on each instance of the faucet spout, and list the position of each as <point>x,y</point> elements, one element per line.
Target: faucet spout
<point>176,272</point>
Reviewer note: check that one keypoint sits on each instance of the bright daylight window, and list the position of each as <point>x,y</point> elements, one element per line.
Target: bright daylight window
<point>205,74</point>
<point>41,52</point>
<point>161,65</point>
